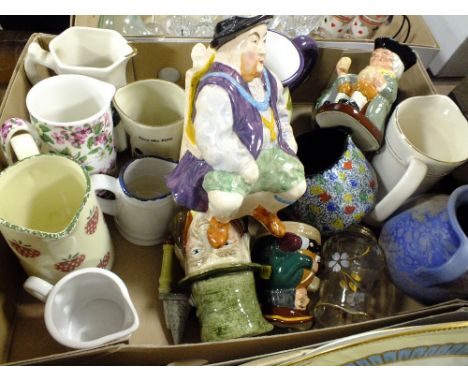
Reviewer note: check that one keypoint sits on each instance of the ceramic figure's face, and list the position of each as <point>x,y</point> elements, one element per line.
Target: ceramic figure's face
<point>301,299</point>
<point>382,58</point>
<point>253,52</point>
<point>199,252</point>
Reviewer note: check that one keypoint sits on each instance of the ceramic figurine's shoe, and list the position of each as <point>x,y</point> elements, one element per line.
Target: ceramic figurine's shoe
<point>271,222</point>
<point>218,233</point>
<point>289,318</point>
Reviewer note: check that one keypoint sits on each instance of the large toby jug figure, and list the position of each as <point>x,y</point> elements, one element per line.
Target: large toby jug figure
<point>238,149</point>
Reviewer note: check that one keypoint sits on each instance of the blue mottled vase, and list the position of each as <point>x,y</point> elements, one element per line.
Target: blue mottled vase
<point>427,249</point>
<point>341,183</point>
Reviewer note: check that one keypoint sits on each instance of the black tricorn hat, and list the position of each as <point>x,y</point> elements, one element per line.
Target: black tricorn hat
<point>228,29</point>
<point>406,54</point>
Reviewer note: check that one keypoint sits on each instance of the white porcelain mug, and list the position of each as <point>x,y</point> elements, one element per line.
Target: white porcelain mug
<point>426,138</point>
<point>87,308</point>
<point>152,113</point>
<point>71,115</point>
<point>143,205</point>
<point>99,53</point>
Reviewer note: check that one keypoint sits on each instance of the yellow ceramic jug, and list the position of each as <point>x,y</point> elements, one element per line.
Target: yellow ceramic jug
<point>50,218</point>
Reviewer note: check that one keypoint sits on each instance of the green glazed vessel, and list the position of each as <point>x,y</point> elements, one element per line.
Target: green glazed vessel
<point>227,307</point>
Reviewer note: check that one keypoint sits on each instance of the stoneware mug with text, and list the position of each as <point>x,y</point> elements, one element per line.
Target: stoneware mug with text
<point>152,114</point>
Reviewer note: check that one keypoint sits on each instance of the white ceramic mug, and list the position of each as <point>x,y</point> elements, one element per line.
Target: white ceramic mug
<point>143,205</point>
<point>87,308</point>
<point>93,52</point>
<point>152,113</point>
<point>426,138</point>
<point>71,115</point>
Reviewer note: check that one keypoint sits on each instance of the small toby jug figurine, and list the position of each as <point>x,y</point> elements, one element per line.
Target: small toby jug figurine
<point>289,265</point>
<point>362,101</point>
<point>426,247</point>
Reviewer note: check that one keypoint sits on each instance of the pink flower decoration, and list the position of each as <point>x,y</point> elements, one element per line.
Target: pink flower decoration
<point>59,137</point>
<point>6,127</point>
<point>101,139</point>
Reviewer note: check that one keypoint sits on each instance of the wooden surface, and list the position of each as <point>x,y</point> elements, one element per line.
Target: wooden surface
<point>11,45</point>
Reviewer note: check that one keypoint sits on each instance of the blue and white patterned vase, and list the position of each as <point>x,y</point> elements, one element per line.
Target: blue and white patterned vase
<point>426,247</point>
<point>341,183</point>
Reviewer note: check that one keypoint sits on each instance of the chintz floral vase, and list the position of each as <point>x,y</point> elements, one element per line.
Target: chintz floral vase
<point>341,183</point>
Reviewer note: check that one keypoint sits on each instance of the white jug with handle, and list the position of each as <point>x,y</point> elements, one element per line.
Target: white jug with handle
<point>99,53</point>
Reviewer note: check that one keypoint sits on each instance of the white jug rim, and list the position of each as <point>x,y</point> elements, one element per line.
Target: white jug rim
<point>38,233</point>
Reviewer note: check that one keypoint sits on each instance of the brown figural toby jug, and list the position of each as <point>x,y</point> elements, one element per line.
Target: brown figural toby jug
<point>363,101</point>
<point>238,148</point>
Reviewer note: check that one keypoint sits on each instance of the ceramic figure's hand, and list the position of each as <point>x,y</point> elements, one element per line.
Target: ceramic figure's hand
<point>342,66</point>
<point>250,173</point>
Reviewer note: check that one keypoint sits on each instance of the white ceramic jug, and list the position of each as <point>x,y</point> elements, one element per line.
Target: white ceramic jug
<point>99,53</point>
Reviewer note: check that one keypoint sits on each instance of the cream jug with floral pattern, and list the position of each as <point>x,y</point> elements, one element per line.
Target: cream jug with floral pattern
<point>50,218</point>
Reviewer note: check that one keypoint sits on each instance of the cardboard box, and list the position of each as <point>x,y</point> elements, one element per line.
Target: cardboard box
<point>23,336</point>
<point>452,32</point>
<point>420,37</point>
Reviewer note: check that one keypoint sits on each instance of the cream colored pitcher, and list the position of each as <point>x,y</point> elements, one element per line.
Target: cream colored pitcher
<point>50,218</point>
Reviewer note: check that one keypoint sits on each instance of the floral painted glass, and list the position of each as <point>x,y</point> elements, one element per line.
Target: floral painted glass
<point>353,262</point>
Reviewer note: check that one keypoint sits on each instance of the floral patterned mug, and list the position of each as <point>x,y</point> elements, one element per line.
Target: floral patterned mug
<point>70,115</point>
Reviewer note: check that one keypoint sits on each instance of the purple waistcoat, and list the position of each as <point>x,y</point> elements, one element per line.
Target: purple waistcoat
<point>186,180</point>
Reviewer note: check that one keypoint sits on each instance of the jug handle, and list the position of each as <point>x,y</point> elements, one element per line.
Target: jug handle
<point>406,186</point>
<point>18,140</point>
<point>108,183</point>
<point>37,287</point>
<point>37,55</point>
<point>452,269</point>
<point>309,49</point>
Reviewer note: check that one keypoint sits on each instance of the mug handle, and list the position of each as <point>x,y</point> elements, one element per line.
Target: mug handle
<point>451,270</point>
<point>309,50</point>
<point>120,135</point>
<point>37,55</point>
<point>37,287</point>
<point>406,186</point>
<point>108,183</point>
<point>18,139</point>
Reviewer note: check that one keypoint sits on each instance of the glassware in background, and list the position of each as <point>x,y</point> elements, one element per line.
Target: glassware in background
<point>353,263</point>
<point>294,26</point>
<point>154,25</point>
<point>130,25</point>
